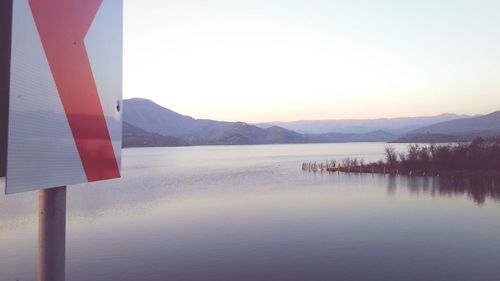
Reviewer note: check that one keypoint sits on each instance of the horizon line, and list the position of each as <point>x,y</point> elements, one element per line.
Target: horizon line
<point>326,119</point>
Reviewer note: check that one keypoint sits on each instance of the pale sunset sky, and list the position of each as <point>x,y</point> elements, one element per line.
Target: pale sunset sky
<point>276,60</point>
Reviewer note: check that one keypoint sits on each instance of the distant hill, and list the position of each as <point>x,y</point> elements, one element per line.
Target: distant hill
<point>489,123</point>
<point>242,133</point>
<point>151,117</point>
<point>135,137</point>
<point>431,138</point>
<point>149,124</point>
<point>464,129</point>
<point>375,136</point>
<point>396,126</point>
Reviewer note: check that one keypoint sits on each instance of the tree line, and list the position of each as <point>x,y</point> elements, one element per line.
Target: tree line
<point>477,155</point>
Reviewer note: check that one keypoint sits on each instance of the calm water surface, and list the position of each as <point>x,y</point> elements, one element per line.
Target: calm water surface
<point>250,213</point>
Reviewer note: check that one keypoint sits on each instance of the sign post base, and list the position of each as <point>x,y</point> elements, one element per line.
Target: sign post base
<point>52,234</point>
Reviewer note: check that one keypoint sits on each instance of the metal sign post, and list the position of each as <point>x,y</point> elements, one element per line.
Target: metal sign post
<point>5,39</point>
<point>52,234</point>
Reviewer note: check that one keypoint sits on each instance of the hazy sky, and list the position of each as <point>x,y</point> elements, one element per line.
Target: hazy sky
<point>309,59</point>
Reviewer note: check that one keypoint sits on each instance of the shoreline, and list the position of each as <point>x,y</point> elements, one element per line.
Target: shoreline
<point>377,169</point>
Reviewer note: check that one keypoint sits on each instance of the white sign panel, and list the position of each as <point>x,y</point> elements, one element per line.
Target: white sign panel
<point>64,123</point>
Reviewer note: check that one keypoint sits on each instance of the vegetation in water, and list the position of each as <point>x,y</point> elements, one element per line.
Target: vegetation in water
<point>479,157</point>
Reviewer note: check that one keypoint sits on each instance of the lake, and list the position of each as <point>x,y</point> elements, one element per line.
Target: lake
<point>251,213</point>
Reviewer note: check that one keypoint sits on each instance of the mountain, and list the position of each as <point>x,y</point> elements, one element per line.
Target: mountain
<point>151,117</point>
<point>463,129</point>
<point>431,138</point>
<point>135,137</point>
<point>397,126</point>
<point>374,136</point>
<point>149,124</point>
<point>242,133</point>
<point>489,123</point>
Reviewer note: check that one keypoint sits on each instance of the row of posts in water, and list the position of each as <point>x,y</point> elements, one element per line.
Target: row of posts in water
<point>332,166</point>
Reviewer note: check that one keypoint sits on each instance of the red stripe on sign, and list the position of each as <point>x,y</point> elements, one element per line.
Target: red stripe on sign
<point>62,26</point>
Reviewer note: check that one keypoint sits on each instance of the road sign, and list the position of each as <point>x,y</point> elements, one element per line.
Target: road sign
<point>65,89</point>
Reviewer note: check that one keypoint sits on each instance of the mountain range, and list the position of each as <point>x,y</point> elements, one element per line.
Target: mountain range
<point>463,129</point>
<point>149,124</point>
<point>135,137</point>
<point>397,126</point>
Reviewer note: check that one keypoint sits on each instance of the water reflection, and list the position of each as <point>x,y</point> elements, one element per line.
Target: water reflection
<point>250,213</point>
<point>477,189</point>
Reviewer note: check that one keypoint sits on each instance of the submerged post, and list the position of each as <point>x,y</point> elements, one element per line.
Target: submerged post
<point>52,234</point>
